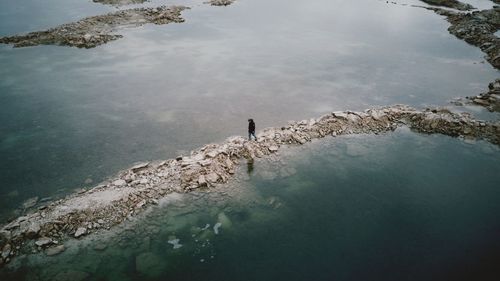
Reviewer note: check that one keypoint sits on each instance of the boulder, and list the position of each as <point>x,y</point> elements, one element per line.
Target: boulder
<point>80,232</point>
<point>32,230</point>
<point>202,181</point>
<point>6,251</point>
<point>43,241</point>
<point>139,167</point>
<point>119,182</point>
<point>212,177</point>
<point>55,250</point>
<point>273,148</point>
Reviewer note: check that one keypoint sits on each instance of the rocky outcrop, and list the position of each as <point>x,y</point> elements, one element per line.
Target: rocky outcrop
<point>220,2</point>
<point>97,30</point>
<point>119,2</point>
<point>450,4</point>
<point>490,99</point>
<point>133,190</point>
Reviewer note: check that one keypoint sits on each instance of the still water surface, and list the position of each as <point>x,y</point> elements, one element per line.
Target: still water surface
<point>350,208</point>
<point>70,115</point>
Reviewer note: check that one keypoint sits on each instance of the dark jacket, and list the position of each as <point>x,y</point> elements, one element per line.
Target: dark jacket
<point>251,127</point>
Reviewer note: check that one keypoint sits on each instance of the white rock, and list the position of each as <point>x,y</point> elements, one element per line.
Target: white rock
<point>273,148</point>
<point>43,241</point>
<point>80,231</point>
<point>119,182</point>
<point>216,227</point>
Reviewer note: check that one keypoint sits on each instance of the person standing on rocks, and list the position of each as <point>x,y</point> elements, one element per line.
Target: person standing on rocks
<point>251,129</point>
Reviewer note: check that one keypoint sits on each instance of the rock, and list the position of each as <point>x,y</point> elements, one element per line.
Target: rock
<point>212,177</point>
<point>273,148</point>
<point>32,230</point>
<point>140,204</point>
<point>481,102</point>
<point>80,231</point>
<point>71,275</point>
<point>6,251</point>
<point>5,236</point>
<point>149,264</point>
<point>224,220</point>
<point>119,182</point>
<point>220,2</point>
<point>139,167</point>
<point>202,181</point>
<point>216,228</point>
<point>212,154</point>
<point>175,243</point>
<point>43,241</point>
<point>55,250</point>
<point>88,181</point>
<point>205,163</point>
<point>30,202</point>
<point>100,221</point>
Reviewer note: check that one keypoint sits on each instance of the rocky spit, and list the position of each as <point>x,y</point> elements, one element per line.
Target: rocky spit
<point>119,2</point>
<point>220,2</point>
<point>450,4</point>
<point>47,226</point>
<point>94,31</point>
<point>490,99</point>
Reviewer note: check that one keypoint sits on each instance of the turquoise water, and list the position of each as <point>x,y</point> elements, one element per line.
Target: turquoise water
<point>72,116</point>
<point>399,206</point>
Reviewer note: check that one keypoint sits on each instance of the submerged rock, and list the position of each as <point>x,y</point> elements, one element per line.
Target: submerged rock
<point>149,264</point>
<point>55,250</point>
<point>31,202</point>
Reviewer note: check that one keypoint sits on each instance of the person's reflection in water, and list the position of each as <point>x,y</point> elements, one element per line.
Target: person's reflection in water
<point>250,166</point>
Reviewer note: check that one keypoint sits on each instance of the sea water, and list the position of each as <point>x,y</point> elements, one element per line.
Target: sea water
<point>73,117</point>
<point>398,206</point>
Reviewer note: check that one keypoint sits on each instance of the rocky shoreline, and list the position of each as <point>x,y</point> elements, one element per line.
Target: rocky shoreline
<point>476,28</point>
<point>449,4</point>
<point>49,224</point>
<point>97,30</point>
<point>490,99</point>
<point>220,2</point>
<point>119,2</point>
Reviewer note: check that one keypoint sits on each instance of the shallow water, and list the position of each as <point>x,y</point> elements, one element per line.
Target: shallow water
<point>350,208</point>
<point>71,116</point>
